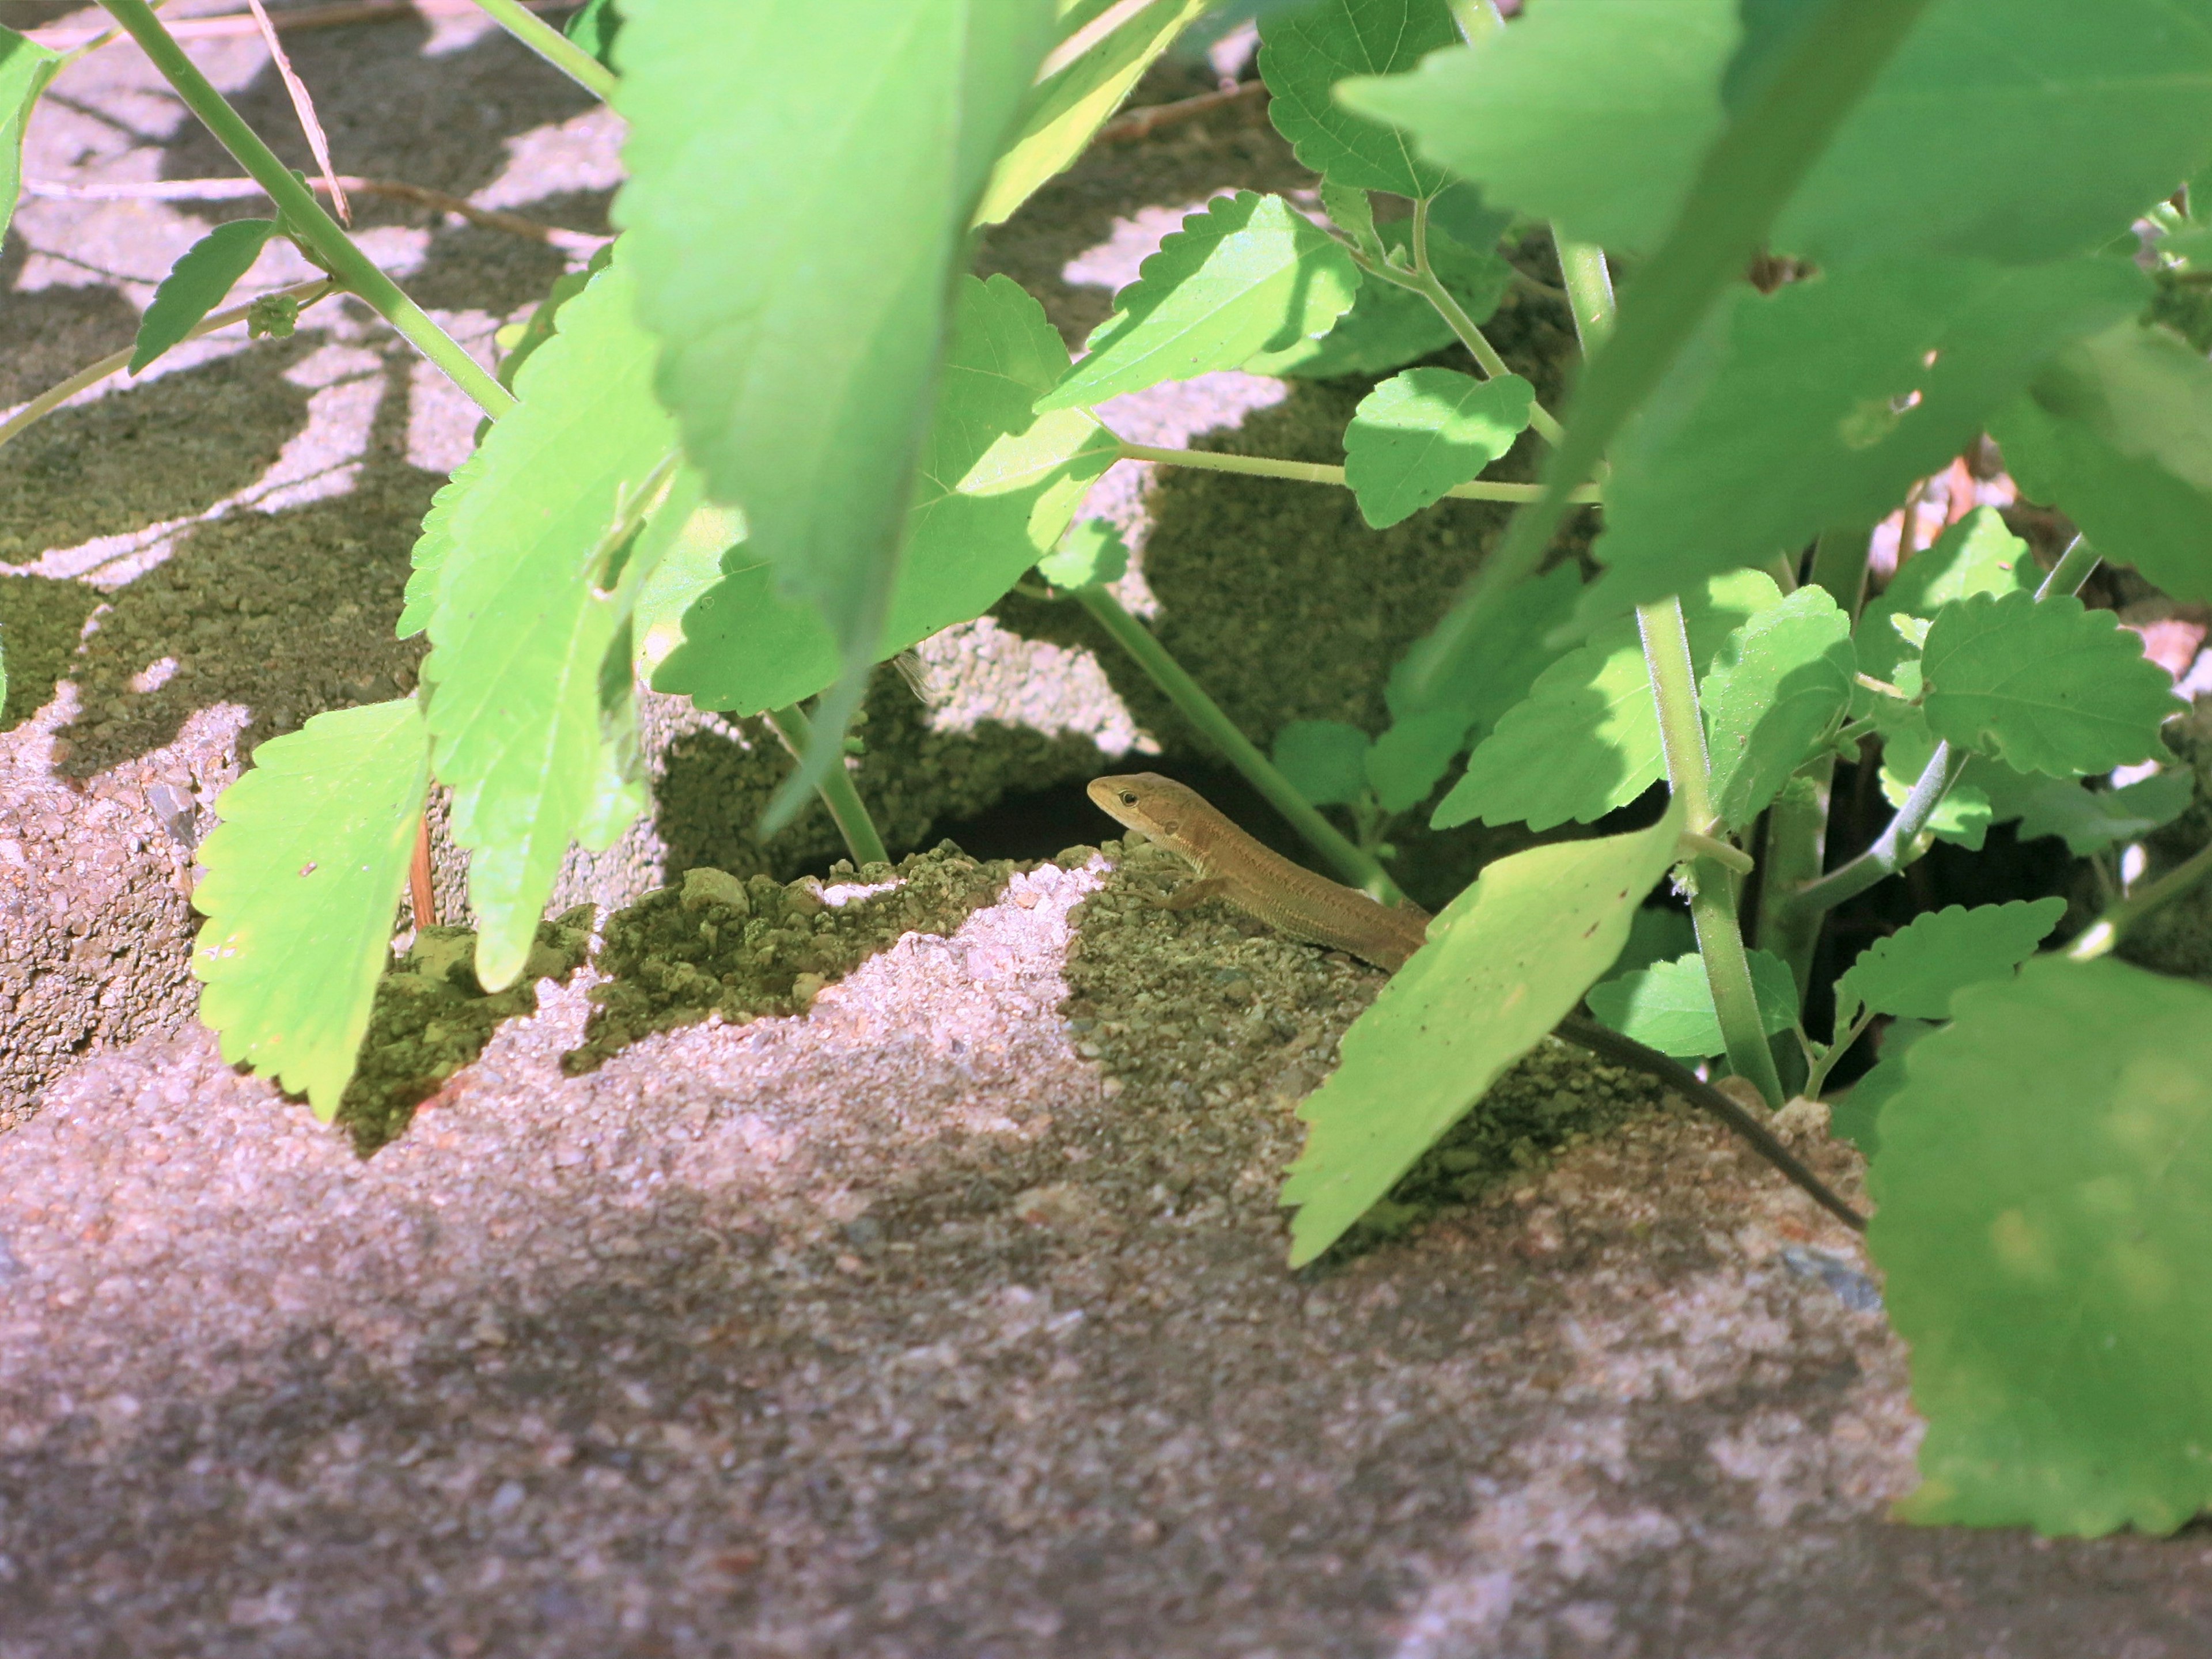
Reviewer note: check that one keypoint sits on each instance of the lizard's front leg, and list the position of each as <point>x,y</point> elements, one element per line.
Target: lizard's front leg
<point>1195,892</point>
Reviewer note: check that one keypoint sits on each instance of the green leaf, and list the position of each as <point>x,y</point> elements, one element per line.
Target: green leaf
<point>1093,554</point>
<point>1504,963</point>
<point>1817,405</point>
<point>1248,273</point>
<point>1076,100</point>
<point>298,883</point>
<point>2094,820</point>
<point>1978,554</point>
<point>195,284</point>
<point>1419,433</point>
<point>1655,934</point>
<point>998,485</point>
<point>1779,683</point>
<point>1390,326</point>
<point>2117,433</point>
<point>1304,52</point>
<point>1915,970</point>
<point>799,345</point>
<point>537,328</point>
<point>25,69</point>
<point>682,548</point>
<point>2043,1226</point>
<point>1592,115</point>
<point>1669,1006</point>
<point>528,607</point>
<point>1586,738</point>
<point>1405,764</point>
<point>593,27</point>
<point>1857,1117</point>
<point>1988,792</point>
<point>2049,687</point>
<point>1326,761</point>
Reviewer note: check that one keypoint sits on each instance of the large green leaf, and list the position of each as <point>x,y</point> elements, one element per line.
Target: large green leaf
<point>1390,326</point>
<point>528,608</point>
<point>2093,820</point>
<point>1586,738</point>
<point>1422,433</point>
<point>298,882</point>
<point>1593,115</point>
<point>2044,1188</point>
<point>996,488</point>
<point>2118,432</point>
<point>1669,1004</point>
<point>1248,273</point>
<point>1504,963</point>
<point>203,273</point>
<point>1978,554</point>
<point>796,214</point>
<point>1325,761</point>
<point>1779,683</point>
<point>1306,51</point>
<point>2045,687</point>
<point>25,69</point>
<point>1818,405</point>
<point>1917,969</point>
<point>1076,99</point>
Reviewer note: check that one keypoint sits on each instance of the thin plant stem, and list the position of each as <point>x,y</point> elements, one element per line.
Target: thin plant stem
<point>1589,290</point>
<point>2068,576</point>
<point>92,374</point>
<point>555,47</point>
<point>303,105</point>
<point>1361,869</point>
<point>1839,564</point>
<point>1796,847</point>
<point>2107,931</point>
<point>1476,18</point>
<point>326,242</point>
<point>1712,899</point>
<point>1318,472</point>
<point>1816,1077</point>
<point>107,36</point>
<point>846,808</point>
<point>1493,366</point>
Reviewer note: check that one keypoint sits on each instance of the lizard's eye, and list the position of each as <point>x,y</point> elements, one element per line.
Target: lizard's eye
<point>1127,799</point>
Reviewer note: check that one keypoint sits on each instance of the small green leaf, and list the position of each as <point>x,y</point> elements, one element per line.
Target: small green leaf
<point>1304,52</point>
<point>1857,1117</point>
<point>1669,1006</point>
<point>1419,433</point>
<point>1248,273</point>
<point>2094,820</point>
<point>1915,970</point>
<point>25,69</point>
<point>682,548</point>
<point>1075,100</point>
<point>1988,792</point>
<point>593,27</point>
<point>195,284</point>
<point>299,884</point>
<point>1504,963</point>
<point>1586,738</point>
<point>1978,554</point>
<point>1092,555</point>
<point>1655,934</point>
<point>1405,764</point>
<point>1390,326</point>
<point>2047,687</point>
<point>2044,1214</point>
<point>1776,688</point>
<point>1326,761</point>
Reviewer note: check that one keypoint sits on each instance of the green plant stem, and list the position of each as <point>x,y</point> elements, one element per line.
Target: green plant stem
<point>2070,573</point>
<point>1816,1078</point>
<point>2107,931</point>
<point>1713,900</point>
<point>836,790</point>
<point>328,244</point>
<point>92,374</point>
<point>1476,18</point>
<point>1360,869</point>
<point>1796,847</point>
<point>1317,472</point>
<point>1426,280</point>
<point>555,47</point>
<point>1839,564</point>
<point>1589,290</point>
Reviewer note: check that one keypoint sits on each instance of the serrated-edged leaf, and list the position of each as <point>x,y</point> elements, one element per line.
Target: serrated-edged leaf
<point>1326,761</point>
<point>25,67</point>
<point>1915,970</point>
<point>1669,1006</point>
<point>195,284</point>
<point>2047,687</point>
<point>2118,432</point>
<point>1978,554</point>
<point>1592,115</point>
<point>799,348</point>
<point>1779,683</point>
<point>1405,763</point>
<point>1423,432</point>
<point>1078,97</point>
<point>1858,1116</point>
<point>1092,555</point>
<point>298,882</point>
<point>1818,405</point>
<point>522,624</point>
<point>1504,963</point>
<point>1390,326</point>
<point>1248,273</point>
<point>1305,51</point>
<point>683,546</point>
<point>537,328</point>
<point>1586,738</point>
<point>2092,820</point>
<point>2043,1223</point>
<point>996,488</point>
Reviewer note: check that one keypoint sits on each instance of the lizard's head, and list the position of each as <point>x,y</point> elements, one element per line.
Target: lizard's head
<point>1144,801</point>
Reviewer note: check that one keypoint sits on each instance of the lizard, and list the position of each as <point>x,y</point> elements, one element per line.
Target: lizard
<point>1233,866</point>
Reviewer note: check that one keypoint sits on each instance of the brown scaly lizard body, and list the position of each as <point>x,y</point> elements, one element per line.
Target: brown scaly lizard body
<point>1294,901</point>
